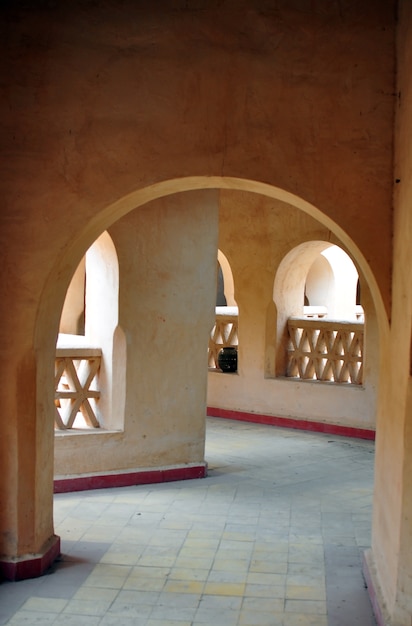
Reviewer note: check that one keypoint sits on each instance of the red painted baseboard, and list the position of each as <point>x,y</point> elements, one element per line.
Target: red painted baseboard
<point>127,479</point>
<point>31,566</point>
<point>287,422</point>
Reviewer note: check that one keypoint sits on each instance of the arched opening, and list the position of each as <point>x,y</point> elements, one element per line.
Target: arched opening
<point>332,284</point>
<point>226,281</point>
<point>224,336</point>
<point>315,279</point>
<point>89,323</point>
<point>60,275</point>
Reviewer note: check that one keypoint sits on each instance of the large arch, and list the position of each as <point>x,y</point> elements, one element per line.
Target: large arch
<point>65,265</point>
<point>58,280</point>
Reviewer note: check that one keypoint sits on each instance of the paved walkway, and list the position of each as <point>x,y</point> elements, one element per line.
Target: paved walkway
<point>273,536</point>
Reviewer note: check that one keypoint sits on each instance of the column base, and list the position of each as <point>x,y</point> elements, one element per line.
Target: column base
<point>30,565</point>
<point>375,596</point>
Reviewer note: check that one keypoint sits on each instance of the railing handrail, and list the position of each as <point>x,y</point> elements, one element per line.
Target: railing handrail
<point>80,353</point>
<point>226,318</point>
<point>227,310</point>
<point>323,322</point>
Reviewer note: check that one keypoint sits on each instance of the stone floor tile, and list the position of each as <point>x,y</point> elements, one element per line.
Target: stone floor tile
<point>261,618</point>
<point>159,560</point>
<point>173,614</point>
<point>111,569</point>
<point>27,618</point>
<point>181,573</point>
<point>92,606</point>
<point>121,557</point>
<point>97,594</point>
<point>176,521</point>
<point>268,566</point>
<point>271,549</point>
<point>169,537</point>
<point>228,576</point>
<point>275,605</point>
<point>45,605</point>
<point>271,536</point>
<point>265,591</point>
<point>239,535</point>
<point>303,619</point>
<point>241,553</point>
<point>161,622</point>
<point>138,583</point>
<point>305,592</point>
<point>204,533</point>
<point>123,608</point>
<point>138,596</point>
<point>191,561</point>
<point>183,586</point>
<point>109,582</point>
<point>150,571</point>
<point>305,606</point>
<point>166,551</point>
<point>242,546</point>
<point>75,620</point>
<point>201,543</point>
<point>307,569</point>
<point>309,578</point>
<point>259,578</point>
<point>223,602</point>
<point>179,599</point>
<point>113,620</point>
<point>231,564</point>
<point>224,589</point>
<point>216,617</point>
<point>195,553</point>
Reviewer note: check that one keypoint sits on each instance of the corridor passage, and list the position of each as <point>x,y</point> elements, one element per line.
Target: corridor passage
<point>273,536</point>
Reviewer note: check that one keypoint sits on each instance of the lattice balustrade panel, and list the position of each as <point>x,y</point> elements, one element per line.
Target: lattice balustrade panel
<point>224,334</point>
<point>325,350</point>
<point>75,372</point>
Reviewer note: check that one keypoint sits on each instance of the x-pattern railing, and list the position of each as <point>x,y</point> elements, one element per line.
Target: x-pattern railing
<point>224,334</point>
<point>325,350</point>
<point>75,371</point>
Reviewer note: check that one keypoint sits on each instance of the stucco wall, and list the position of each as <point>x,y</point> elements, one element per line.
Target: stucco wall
<point>103,103</point>
<point>167,270</point>
<point>392,529</point>
<point>255,234</point>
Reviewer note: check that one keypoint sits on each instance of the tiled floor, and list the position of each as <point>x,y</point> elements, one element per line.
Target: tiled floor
<point>272,537</point>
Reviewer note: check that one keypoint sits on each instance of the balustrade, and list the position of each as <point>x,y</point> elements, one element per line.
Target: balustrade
<point>319,349</point>
<point>224,333</point>
<point>76,369</point>
<point>325,350</point>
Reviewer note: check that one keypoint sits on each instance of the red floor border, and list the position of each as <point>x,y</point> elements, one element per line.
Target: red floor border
<point>31,566</point>
<point>298,424</point>
<point>127,479</point>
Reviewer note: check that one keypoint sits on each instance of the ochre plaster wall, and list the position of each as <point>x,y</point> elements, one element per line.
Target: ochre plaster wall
<point>255,234</point>
<point>102,103</point>
<point>391,558</point>
<point>72,318</point>
<point>167,267</point>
